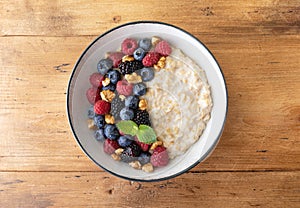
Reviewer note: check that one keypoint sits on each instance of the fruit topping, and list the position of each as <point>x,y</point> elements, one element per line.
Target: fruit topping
<point>104,65</point>
<point>102,107</point>
<point>128,46</point>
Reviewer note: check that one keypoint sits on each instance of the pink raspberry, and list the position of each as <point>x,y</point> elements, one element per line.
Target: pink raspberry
<point>93,95</point>
<point>109,146</point>
<point>143,146</point>
<point>128,46</point>
<point>124,88</point>
<point>102,107</point>
<point>96,79</point>
<point>150,59</point>
<point>163,48</point>
<point>159,157</point>
<point>116,57</point>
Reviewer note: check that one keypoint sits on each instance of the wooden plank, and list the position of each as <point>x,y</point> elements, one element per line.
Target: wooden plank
<point>66,18</point>
<point>97,189</point>
<point>261,132</point>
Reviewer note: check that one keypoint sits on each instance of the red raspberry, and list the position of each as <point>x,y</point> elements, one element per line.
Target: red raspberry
<point>102,107</point>
<point>96,79</point>
<point>124,88</point>
<point>160,157</point>
<point>116,57</point>
<point>128,46</point>
<point>109,146</point>
<point>143,146</point>
<point>163,48</point>
<point>150,59</point>
<point>93,95</point>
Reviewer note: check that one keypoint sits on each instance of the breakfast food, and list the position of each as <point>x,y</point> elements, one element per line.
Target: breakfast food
<point>150,103</point>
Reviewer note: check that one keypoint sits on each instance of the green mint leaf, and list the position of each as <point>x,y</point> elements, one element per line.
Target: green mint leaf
<point>128,127</point>
<point>146,134</point>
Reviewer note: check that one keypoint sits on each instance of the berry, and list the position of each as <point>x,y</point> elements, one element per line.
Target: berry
<point>144,158</point>
<point>109,146</point>
<point>126,114</point>
<point>99,135</point>
<point>128,46</point>
<point>116,106</point>
<point>116,57</point>
<point>111,131</point>
<point>147,74</point>
<point>104,65</point>
<point>110,86</point>
<point>124,88</point>
<point>132,102</point>
<point>129,67</point>
<point>93,95</point>
<point>150,59</point>
<point>96,79</point>
<point>130,153</point>
<point>143,146</point>
<point>114,76</point>
<point>99,121</point>
<point>91,112</point>
<point>139,89</point>
<point>124,141</point>
<point>145,44</point>
<point>102,107</point>
<point>139,54</point>
<point>163,48</point>
<point>142,117</point>
<point>159,157</point>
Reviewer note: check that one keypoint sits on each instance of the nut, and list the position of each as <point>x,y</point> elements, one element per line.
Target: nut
<point>91,124</point>
<point>156,144</point>
<point>106,82</point>
<point>143,104</point>
<point>133,78</point>
<point>127,58</point>
<point>107,95</point>
<point>109,119</point>
<point>115,157</point>
<point>119,151</point>
<point>135,164</point>
<point>122,97</point>
<point>148,168</point>
<point>160,64</point>
<point>155,40</point>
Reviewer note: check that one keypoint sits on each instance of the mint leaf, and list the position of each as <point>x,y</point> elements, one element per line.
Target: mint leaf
<point>146,134</point>
<point>128,127</point>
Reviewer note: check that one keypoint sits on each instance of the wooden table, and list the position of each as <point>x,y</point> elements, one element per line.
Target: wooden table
<point>256,163</point>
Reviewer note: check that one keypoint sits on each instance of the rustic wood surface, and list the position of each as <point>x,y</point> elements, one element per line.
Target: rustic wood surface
<point>256,163</point>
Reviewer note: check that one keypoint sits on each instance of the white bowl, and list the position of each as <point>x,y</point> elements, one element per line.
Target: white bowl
<point>77,103</point>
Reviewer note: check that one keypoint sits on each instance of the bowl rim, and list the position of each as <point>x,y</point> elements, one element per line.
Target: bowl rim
<point>201,159</point>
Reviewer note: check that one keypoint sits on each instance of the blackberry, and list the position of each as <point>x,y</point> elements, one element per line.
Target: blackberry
<point>131,153</point>
<point>116,106</point>
<point>142,117</point>
<point>129,67</point>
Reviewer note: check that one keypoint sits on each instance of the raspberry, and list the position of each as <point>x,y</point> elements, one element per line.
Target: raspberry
<point>116,57</point>
<point>96,79</point>
<point>109,146</point>
<point>150,59</point>
<point>143,146</point>
<point>102,107</point>
<point>124,88</point>
<point>128,46</point>
<point>160,157</point>
<point>163,48</point>
<point>116,106</point>
<point>142,117</point>
<point>129,67</point>
<point>93,95</point>
<point>130,153</point>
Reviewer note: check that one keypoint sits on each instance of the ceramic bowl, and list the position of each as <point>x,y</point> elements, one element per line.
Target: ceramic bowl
<point>77,103</point>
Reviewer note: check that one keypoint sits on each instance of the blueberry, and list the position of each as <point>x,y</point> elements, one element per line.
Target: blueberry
<point>99,121</point>
<point>99,135</point>
<point>132,102</point>
<point>126,114</point>
<point>91,112</point>
<point>139,89</point>
<point>147,74</point>
<point>139,54</point>
<point>145,44</point>
<point>111,131</point>
<point>144,158</point>
<point>104,65</point>
<point>114,76</point>
<point>123,141</point>
<point>110,86</point>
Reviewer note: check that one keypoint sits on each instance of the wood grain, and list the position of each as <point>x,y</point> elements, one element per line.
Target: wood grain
<point>256,163</point>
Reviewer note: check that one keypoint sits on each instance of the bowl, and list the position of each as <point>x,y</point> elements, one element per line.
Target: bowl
<point>77,103</point>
